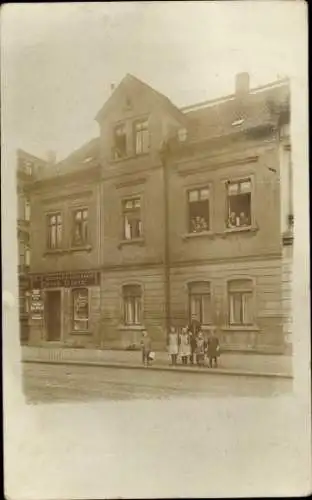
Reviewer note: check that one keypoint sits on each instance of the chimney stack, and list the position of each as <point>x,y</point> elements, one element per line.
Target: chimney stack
<point>242,85</point>
<point>51,157</point>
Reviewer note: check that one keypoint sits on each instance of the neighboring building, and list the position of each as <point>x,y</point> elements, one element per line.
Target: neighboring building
<point>170,214</point>
<point>27,165</point>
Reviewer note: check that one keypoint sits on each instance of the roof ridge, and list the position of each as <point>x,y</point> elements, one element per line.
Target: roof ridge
<point>210,102</point>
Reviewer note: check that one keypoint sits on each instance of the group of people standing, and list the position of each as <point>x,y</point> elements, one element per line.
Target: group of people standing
<point>192,345</point>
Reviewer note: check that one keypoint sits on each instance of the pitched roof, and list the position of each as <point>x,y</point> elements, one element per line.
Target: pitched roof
<point>158,95</point>
<point>223,116</point>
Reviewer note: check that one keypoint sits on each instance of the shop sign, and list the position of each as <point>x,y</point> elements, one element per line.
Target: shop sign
<point>37,305</point>
<point>67,280</point>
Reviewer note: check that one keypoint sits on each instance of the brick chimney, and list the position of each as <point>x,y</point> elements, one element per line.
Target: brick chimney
<point>51,157</point>
<point>242,85</point>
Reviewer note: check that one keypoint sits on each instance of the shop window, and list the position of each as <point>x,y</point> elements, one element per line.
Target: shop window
<point>120,142</point>
<point>54,230</point>
<point>132,297</point>
<point>240,299</point>
<point>132,219</point>
<point>80,228</point>
<point>80,309</point>
<point>200,302</point>
<point>199,210</point>
<point>239,204</point>
<point>141,134</point>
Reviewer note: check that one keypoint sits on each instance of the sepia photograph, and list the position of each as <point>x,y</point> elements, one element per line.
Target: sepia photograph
<point>150,159</point>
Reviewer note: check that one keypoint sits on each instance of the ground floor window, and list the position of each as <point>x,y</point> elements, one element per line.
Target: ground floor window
<point>80,309</point>
<point>200,302</point>
<point>132,296</point>
<point>240,300</point>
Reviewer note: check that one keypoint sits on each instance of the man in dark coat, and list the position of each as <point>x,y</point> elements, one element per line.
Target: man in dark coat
<point>193,330</point>
<point>213,350</point>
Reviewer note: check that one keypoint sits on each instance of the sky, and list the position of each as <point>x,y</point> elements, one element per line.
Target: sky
<point>59,60</point>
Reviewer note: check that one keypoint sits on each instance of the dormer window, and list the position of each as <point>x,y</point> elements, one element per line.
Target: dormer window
<point>141,137</point>
<point>120,142</point>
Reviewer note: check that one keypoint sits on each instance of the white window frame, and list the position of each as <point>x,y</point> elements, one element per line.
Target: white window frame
<point>74,319</point>
<point>199,188</point>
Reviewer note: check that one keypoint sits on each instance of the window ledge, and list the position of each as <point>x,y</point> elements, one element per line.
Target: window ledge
<point>237,328</point>
<point>202,234</point>
<point>131,327</point>
<point>134,241</point>
<point>82,248</point>
<point>55,251</point>
<point>244,229</point>
<point>80,332</point>
<point>130,157</point>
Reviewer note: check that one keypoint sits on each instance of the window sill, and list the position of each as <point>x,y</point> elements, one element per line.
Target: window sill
<point>82,248</point>
<point>131,327</point>
<point>202,234</point>
<point>134,241</point>
<point>60,251</point>
<point>237,328</point>
<point>130,157</point>
<point>80,332</point>
<point>243,229</point>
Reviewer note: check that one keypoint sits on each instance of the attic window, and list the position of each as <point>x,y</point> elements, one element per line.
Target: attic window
<point>120,142</point>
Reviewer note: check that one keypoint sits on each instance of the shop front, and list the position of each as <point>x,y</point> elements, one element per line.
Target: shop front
<point>65,308</point>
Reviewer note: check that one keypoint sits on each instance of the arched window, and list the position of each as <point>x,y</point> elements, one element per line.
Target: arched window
<point>80,309</point>
<point>132,299</point>
<point>240,302</point>
<point>200,302</point>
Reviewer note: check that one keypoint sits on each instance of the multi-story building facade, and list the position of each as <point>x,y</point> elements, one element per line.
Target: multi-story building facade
<point>26,167</point>
<point>171,214</point>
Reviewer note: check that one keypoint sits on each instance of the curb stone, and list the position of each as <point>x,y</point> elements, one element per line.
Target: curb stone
<point>179,369</point>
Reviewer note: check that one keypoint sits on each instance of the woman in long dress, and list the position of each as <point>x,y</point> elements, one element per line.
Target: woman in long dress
<point>184,348</point>
<point>173,345</point>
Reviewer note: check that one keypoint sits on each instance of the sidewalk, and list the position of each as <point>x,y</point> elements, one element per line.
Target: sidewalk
<point>230,363</point>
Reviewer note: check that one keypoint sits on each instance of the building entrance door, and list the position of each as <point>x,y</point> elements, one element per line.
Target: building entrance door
<point>53,315</point>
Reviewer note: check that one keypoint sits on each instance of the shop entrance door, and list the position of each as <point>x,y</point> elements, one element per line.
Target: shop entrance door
<point>53,315</point>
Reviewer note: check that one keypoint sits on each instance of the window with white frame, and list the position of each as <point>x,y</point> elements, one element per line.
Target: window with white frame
<point>199,210</point>
<point>200,302</point>
<point>239,203</point>
<point>141,135</point>
<point>240,301</point>
<point>120,141</point>
<point>80,227</point>
<point>55,229</point>
<point>132,298</point>
<point>132,220</point>
<point>80,298</point>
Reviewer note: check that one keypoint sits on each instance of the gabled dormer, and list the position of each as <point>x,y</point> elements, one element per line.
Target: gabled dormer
<point>135,120</point>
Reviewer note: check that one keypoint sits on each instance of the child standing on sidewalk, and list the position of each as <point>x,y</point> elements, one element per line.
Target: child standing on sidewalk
<point>173,345</point>
<point>213,350</point>
<point>146,345</point>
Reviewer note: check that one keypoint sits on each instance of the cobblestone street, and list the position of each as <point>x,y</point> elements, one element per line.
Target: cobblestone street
<point>52,383</point>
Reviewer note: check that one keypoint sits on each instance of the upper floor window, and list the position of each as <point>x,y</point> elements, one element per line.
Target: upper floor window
<point>199,210</point>
<point>120,141</point>
<point>132,218</point>
<point>200,302</point>
<point>239,203</point>
<point>80,228</point>
<point>80,309</point>
<point>55,229</point>
<point>27,209</point>
<point>141,137</point>
<point>132,296</point>
<point>240,294</point>
<point>27,257</point>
